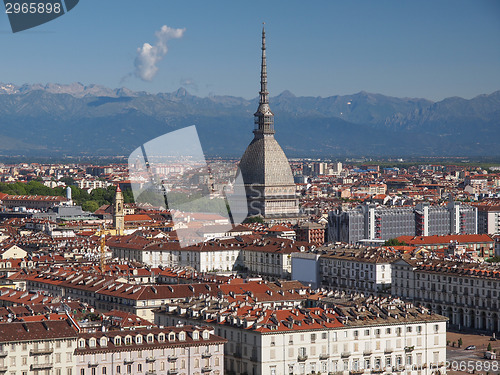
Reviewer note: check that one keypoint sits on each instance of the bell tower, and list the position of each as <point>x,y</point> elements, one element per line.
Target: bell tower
<point>119,213</point>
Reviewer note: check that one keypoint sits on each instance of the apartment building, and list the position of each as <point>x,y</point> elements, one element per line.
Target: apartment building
<point>382,222</point>
<point>362,269</point>
<point>266,256</point>
<point>468,293</point>
<point>182,350</point>
<point>345,335</point>
<point>44,347</point>
<point>488,218</point>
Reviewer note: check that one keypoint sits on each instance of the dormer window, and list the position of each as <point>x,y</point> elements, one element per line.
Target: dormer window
<point>138,339</point>
<point>171,336</point>
<point>118,340</point>
<point>128,340</point>
<point>81,343</point>
<point>196,335</point>
<point>103,341</point>
<point>150,338</point>
<point>206,335</point>
<point>161,337</point>
<point>182,336</point>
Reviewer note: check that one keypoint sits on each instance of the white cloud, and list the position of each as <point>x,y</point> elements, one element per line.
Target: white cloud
<point>149,55</point>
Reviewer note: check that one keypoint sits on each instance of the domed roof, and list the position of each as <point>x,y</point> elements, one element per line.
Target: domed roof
<point>264,162</point>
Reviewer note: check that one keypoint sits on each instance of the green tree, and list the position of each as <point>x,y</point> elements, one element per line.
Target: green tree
<point>495,259</point>
<point>394,242</point>
<point>68,180</point>
<point>460,342</point>
<point>254,219</point>
<point>489,347</point>
<point>91,206</point>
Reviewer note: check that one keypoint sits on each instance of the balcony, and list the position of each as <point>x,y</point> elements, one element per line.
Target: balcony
<point>150,359</point>
<point>208,354</point>
<point>388,350</point>
<point>3,368</point>
<point>254,358</point>
<point>345,354</point>
<point>41,366</point>
<point>206,369</point>
<point>3,353</point>
<point>128,361</point>
<point>151,372</point>
<point>357,372</point>
<point>172,358</point>
<point>378,370</point>
<point>323,356</point>
<point>41,351</point>
<point>235,354</point>
<point>409,349</point>
<point>301,358</point>
<point>367,353</point>
<point>172,371</point>
<point>93,364</point>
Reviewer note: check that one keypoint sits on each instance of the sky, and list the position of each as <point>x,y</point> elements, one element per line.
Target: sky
<point>430,49</point>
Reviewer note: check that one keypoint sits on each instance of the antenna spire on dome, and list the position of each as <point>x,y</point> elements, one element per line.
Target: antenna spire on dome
<point>264,118</point>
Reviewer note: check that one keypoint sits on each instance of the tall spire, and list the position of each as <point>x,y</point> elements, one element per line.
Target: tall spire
<point>264,94</point>
<point>264,118</point>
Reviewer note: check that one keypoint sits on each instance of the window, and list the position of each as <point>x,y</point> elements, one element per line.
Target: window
<point>408,329</point>
<point>313,337</point>
<point>323,335</point>
<point>118,369</point>
<point>367,332</point>
<point>82,371</point>
<point>104,371</point>
<point>302,352</point>
<point>139,367</point>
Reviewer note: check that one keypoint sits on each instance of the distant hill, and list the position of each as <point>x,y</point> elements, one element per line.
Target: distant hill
<point>91,120</point>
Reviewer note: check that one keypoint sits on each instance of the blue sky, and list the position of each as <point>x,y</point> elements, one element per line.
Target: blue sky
<point>432,49</point>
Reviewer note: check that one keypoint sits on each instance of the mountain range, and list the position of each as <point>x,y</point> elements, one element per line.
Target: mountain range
<point>93,120</point>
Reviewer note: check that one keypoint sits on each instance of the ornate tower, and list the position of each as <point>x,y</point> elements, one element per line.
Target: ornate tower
<point>266,173</point>
<point>119,213</point>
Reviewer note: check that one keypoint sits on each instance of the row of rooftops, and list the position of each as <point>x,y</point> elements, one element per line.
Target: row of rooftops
<point>106,341</point>
<point>108,286</point>
<point>147,338</point>
<point>135,241</point>
<point>335,310</point>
